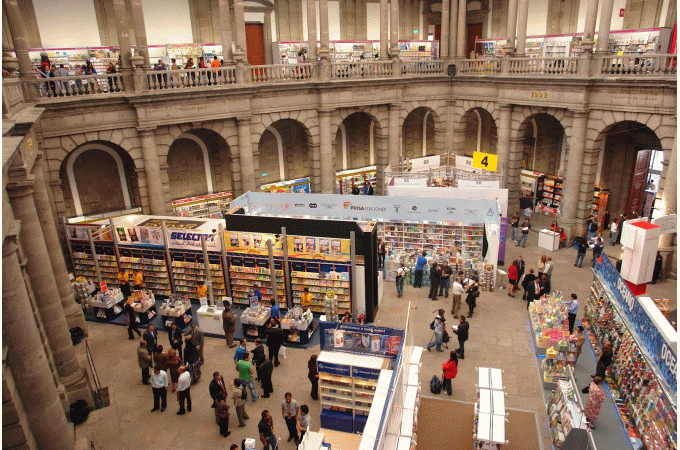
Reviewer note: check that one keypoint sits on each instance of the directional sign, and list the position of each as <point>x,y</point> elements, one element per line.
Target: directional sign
<point>484,161</point>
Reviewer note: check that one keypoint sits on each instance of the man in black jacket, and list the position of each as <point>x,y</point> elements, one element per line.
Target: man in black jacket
<point>533,291</point>
<point>462,333</point>
<point>258,357</point>
<point>528,279</point>
<point>604,361</point>
<point>274,340</point>
<point>175,335</point>
<point>519,262</point>
<point>217,389</point>
<point>151,338</point>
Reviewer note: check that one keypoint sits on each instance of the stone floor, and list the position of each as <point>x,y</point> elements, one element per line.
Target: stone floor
<point>499,337</point>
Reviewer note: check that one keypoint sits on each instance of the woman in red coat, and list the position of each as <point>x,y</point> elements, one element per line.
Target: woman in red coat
<point>450,368</point>
<point>512,277</point>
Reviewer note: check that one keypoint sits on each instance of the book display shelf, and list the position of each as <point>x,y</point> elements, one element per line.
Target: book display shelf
<point>246,271</point>
<point>320,280</point>
<point>415,236</point>
<point>567,420</point>
<point>188,271</point>
<point>152,264</point>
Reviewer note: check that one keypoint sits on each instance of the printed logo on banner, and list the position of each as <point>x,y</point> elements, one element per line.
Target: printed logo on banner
<point>414,208</point>
<point>312,205</point>
<point>181,239</point>
<point>328,205</point>
<point>299,205</point>
<point>489,212</point>
<point>346,204</point>
<point>396,208</point>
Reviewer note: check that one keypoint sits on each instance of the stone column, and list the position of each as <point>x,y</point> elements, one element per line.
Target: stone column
<point>572,182</point>
<point>503,145</point>
<point>225,32</point>
<point>123,29</point>
<point>589,30</point>
<point>72,310</point>
<point>669,198</point>
<point>311,30</point>
<point>453,24</point>
<point>394,28</point>
<point>326,153</point>
<point>605,24</point>
<point>142,48</point>
<point>381,162</point>
<point>20,41</point>
<point>462,29</point>
<point>43,283</point>
<point>153,172</point>
<point>449,135</point>
<point>245,151</point>
<point>315,167</point>
<point>240,25</point>
<point>444,41</point>
<point>509,47</point>
<point>324,51</point>
<point>522,15</point>
<point>393,138</point>
<point>384,26</point>
<point>26,357</point>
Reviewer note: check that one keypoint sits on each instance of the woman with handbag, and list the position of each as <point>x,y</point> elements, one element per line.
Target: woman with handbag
<point>471,299</point>
<point>450,368</point>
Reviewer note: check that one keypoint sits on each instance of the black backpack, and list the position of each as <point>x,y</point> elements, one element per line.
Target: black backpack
<point>244,392</point>
<point>445,337</point>
<point>435,385</point>
<point>432,324</point>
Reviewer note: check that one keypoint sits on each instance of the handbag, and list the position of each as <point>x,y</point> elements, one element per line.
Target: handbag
<point>282,352</point>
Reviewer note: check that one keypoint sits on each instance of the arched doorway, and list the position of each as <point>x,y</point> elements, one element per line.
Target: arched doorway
<point>199,163</point>
<point>481,134</point>
<point>418,134</point>
<point>543,144</point>
<point>355,142</point>
<point>634,163</point>
<point>284,152</point>
<point>98,178</point>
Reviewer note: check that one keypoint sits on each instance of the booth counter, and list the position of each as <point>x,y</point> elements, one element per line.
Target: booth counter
<point>549,240</point>
<point>210,319</point>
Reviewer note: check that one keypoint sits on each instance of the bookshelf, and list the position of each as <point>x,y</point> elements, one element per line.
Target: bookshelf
<point>413,236</point>
<point>155,272</point>
<point>242,278</point>
<point>188,275</point>
<point>320,283</point>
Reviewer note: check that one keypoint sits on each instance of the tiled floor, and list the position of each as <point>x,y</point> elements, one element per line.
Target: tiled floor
<point>499,337</point>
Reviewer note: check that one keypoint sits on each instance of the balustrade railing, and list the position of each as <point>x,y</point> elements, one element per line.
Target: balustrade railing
<point>281,72</point>
<point>597,66</point>
<point>643,65</point>
<point>80,85</point>
<point>478,66</point>
<point>544,66</point>
<point>185,78</point>
<point>361,69</point>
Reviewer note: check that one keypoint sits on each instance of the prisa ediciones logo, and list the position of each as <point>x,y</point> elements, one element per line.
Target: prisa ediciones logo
<point>346,205</point>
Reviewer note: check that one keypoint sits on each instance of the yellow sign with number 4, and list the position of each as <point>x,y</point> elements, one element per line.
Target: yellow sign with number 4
<point>484,161</point>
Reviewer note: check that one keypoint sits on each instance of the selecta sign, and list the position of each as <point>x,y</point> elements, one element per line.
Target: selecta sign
<point>192,240</point>
<point>655,342</point>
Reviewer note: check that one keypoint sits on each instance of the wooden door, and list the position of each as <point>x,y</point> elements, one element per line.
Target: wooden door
<point>474,32</point>
<point>637,184</point>
<point>438,34</point>
<point>255,43</point>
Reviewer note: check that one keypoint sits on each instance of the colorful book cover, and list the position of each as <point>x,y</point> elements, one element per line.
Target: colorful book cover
<point>311,245</point>
<point>339,339</point>
<point>356,341</point>
<point>323,246</point>
<point>384,344</point>
<point>336,246</point>
<point>257,241</point>
<point>132,232</point>
<point>144,235</point>
<point>121,234</point>
<point>348,339</point>
<point>298,245</point>
<point>375,343</point>
<point>366,341</point>
<point>394,344</point>
<point>233,240</point>
<point>245,240</point>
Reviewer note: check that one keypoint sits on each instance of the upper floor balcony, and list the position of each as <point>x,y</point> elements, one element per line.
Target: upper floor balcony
<point>608,67</point>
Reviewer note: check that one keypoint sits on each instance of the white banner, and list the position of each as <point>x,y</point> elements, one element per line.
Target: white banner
<point>191,240</point>
<point>471,195</point>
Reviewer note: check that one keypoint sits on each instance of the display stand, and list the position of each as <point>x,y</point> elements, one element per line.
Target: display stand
<point>174,310</point>
<point>549,240</point>
<point>298,326</point>
<point>245,270</point>
<point>646,399</point>
<point>549,322</point>
<point>567,420</point>
<point>209,205</point>
<point>146,309</point>
<point>210,319</point>
<point>254,321</point>
<point>319,283</point>
<point>347,385</point>
<point>108,304</point>
<point>489,424</point>
<point>152,266</point>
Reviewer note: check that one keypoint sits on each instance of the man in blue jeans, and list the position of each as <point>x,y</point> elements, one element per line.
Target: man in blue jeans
<point>597,249</point>
<point>524,234</point>
<point>438,331</point>
<point>401,274</point>
<point>581,252</point>
<point>446,279</point>
<point>420,265</point>
<point>245,374</point>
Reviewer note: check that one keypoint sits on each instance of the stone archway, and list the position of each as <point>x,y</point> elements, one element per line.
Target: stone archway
<point>418,133</point>
<point>542,141</point>
<point>284,152</point>
<point>98,177</point>
<point>354,142</point>
<point>481,133</point>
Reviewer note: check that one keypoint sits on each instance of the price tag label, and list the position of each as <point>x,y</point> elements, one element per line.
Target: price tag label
<point>485,161</point>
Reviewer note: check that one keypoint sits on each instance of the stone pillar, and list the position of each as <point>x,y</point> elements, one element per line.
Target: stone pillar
<point>589,30</point>
<point>43,283</point>
<point>72,310</point>
<point>449,135</point>
<point>384,26</point>
<point>240,25</point>
<point>605,24</point>
<point>153,172</point>
<point>142,48</point>
<point>572,182</point>
<point>453,24</point>
<point>311,31</point>
<point>509,47</point>
<point>462,29</point>
<point>324,51</point>
<point>522,15</point>
<point>225,32</point>
<point>444,41</point>
<point>669,198</point>
<point>503,145</point>
<point>394,28</point>
<point>381,163</point>
<point>326,153</point>
<point>315,167</point>
<point>393,138</point>
<point>20,41</point>
<point>123,29</point>
<point>245,151</point>
<point>26,357</point>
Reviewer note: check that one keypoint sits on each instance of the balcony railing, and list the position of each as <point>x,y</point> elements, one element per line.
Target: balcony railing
<point>594,66</point>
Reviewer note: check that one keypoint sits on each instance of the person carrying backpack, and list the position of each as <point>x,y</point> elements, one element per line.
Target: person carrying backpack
<point>240,395</point>
<point>438,326</point>
<point>581,252</point>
